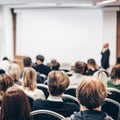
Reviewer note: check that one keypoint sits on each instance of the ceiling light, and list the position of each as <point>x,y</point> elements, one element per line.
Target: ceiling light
<point>105,2</point>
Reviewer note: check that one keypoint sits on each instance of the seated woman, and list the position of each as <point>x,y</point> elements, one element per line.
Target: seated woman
<point>6,81</point>
<point>58,81</point>
<point>29,84</point>
<point>91,94</point>
<point>15,105</point>
<point>115,77</point>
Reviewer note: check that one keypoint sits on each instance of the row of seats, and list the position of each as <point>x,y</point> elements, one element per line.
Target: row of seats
<point>111,106</point>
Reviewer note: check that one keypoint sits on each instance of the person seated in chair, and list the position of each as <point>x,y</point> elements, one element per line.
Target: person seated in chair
<point>91,94</point>
<point>58,81</point>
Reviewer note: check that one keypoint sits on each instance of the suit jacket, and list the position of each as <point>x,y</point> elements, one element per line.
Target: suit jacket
<point>63,108</point>
<point>105,59</point>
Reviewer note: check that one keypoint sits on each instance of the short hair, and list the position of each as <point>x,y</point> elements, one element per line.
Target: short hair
<point>79,67</point>
<point>91,92</point>
<point>117,72</point>
<point>55,66</point>
<point>6,81</point>
<point>40,57</point>
<point>14,71</point>
<point>58,81</point>
<point>27,61</point>
<point>29,78</point>
<point>15,105</point>
<point>91,62</point>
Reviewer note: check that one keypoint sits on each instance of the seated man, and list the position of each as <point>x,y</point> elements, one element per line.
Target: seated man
<point>91,94</point>
<point>58,81</point>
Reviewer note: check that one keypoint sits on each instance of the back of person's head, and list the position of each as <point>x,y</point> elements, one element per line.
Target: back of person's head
<point>117,71</point>
<point>5,58</point>
<point>29,78</point>
<point>55,66</point>
<point>118,60</point>
<point>6,81</point>
<point>58,81</point>
<point>15,105</point>
<point>27,61</point>
<point>91,61</point>
<point>14,71</point>
<point>113,71</point>
<point>40,57</point>
<point>91,93</point>
<point>79,67</point>
<point>102,76</point>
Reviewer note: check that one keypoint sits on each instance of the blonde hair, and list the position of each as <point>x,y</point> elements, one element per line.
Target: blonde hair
<point>14,71</point>
<point>91,92</point>
<point>29,78</point>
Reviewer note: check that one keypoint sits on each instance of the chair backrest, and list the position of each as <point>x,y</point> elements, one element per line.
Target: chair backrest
<point>112,108</point>
<point>31,100</point>
<point>113,94</point>
<point>46,115</point>
<point>71,91</point>
<point>70,99</point>
<point>44,88</point>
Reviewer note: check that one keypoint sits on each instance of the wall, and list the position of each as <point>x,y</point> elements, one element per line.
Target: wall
<point>6,34</point>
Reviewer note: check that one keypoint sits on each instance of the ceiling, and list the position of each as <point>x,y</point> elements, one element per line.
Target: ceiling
<point>34,3</point>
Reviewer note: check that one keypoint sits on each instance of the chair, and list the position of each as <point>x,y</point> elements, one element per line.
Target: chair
<point>44,88</point>
<point>113,94</point>
<point>46,115</point>
<point>112,108</point>
<point>71,91</point>
<point>70,99</point>
<point>31,100</point>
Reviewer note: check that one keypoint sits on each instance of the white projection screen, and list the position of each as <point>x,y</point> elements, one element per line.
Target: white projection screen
<point>67,34</point>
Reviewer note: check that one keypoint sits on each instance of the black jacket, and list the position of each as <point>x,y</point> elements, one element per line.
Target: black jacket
<point>89,115</point>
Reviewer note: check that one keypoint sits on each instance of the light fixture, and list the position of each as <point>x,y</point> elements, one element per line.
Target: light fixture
<point>105,2</point>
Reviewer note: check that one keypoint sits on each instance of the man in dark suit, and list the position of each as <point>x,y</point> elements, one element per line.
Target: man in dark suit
<point>58,81</point>
<point>105,56</point>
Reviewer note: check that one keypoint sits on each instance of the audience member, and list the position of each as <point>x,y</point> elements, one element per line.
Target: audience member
<point>115,77</point>
<point>27,62</point>
<point>91,65</point>
<point>58,81</point>
<point>77,76</point>
<point>40,66</point>
<point>29,84</point>
<point>91,94</point>
<point>101,74</point>
<point>6,81</point>
<point>14,71</point>
<point>15,105</point>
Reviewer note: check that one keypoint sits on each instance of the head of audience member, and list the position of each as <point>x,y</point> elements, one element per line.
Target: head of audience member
<point>6,81</point>
<point>58,81</point>
<point>113,71</point>
<point>91,94</point>
<point>78,67</point>
<point>39,59</point>
<point>15,105</point>
<point>29,78</point>
<point>55,66</point>
<point>118,60</point>
<point>102,76</point>
<point>27,61</point>
<point>14,71</point>
<point>91,64</point>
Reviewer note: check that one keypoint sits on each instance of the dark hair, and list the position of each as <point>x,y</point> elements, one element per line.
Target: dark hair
<point>40,57</point>
<point>27,61</point>
<point>6,81</point>
<point>91,61</point>
<point>91,92</point>
<point>15,105</point>
<point>78,67</point>
<point>58,81</point>
<point>55,66</point>
<point>117,72</point>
